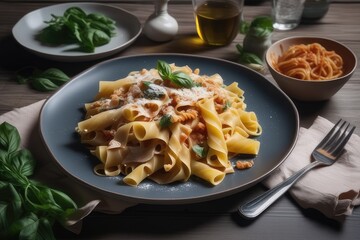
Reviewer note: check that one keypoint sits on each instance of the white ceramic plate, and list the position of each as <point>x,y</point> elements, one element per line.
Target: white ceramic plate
<point>128,28</point>
<point>61,113</point>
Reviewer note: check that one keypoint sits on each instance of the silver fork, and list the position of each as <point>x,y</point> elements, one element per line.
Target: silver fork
<point>325,153</point>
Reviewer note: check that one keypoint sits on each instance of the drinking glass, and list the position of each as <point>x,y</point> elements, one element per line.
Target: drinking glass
<point>286,14</point>
<point>217,21</point>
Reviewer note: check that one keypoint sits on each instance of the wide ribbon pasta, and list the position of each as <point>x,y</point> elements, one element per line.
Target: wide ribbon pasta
<point>145,126</point>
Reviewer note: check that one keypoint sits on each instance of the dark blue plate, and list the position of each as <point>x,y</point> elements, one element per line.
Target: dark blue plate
<point>275,111</point>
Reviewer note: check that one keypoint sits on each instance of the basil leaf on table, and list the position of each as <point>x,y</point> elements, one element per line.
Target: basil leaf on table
<point>48,80</point>
<point>55,75</point>
<point>247,57</point>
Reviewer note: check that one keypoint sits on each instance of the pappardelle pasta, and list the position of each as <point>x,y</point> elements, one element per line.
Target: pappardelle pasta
<point>167,124</point>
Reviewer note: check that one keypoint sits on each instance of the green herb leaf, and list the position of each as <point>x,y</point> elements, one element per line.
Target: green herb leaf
<point>74,11</point>
<point>227,105</point>
<point>178,78</point>
<point>244,27</point>
<point>9,138</point>
<point>28,226</point>
<point>100,38</point>
<point>10,205</point>
<point>55,75</point>
<point>164,69</point>
<point>248,58</point>
<point>23,162</point>
<point>200,151</point>
<point>101,18</point>
<point>183,80</point>
<point>43,84</point>
<point>152,92</point>
<point>165,121</point>
<point>261,27</point>
<point>47,80</point>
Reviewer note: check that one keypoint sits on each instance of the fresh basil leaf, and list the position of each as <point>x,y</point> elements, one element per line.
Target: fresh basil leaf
<point>55,75</point>
<point>87,43</point>
<point>165,121</point>
<point>152,92</point>
<point>100,38</point>
<point>53,35</point>
<point>74,11</point>
<point>43,84</point>
<point>22,162</point>
<point>21,79</point>
<point>27,227</point>
<point>108,29</point>
<point>74,31</point>
<point>164,69</point>
<point>4,219</point>
<point>10,205</point>
<point>244,27</point>
<point>182,80</point>
<point>9,138</point>
<point>45,229</point>
<point>200,151</point>
<point>79,21</point>
<point>227,105</point>
<point>240,49</point>
<point>63,200</point>
<point>101,18</point>
<point>47,80</point>
<point>250,58</point>
<point>261,27</point>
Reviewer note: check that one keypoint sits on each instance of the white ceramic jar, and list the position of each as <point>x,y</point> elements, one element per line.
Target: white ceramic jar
<point>161,26</point>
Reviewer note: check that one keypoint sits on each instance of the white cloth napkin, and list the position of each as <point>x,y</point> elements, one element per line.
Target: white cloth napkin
<point>26,120</point>
<point>333,190</point>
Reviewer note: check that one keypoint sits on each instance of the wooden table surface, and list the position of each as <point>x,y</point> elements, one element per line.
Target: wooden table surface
<point>216,219</point>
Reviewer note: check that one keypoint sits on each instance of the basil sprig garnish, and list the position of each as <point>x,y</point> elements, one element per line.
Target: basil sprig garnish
<point>48,80</point>
<point>178,78</point>
<point>28,209</point>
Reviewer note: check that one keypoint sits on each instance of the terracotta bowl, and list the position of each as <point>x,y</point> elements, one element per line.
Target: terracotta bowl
<point>310,90</point>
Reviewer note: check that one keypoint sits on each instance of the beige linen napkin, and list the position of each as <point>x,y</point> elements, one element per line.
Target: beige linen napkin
<point>26,120</point>
<point>333,190</point>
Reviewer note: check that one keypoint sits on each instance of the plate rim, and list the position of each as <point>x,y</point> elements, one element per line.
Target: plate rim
<point>84,56</point>
<point>169,200</point>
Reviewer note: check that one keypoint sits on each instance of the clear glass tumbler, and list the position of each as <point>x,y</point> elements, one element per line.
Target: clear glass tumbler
<point>286,14</point>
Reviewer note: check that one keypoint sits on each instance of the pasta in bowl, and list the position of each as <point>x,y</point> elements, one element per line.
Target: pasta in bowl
<point>167,124</point>
<point>310,68</point>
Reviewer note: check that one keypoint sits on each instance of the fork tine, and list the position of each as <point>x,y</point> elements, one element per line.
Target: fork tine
<point>338,136</point>
<point>328,136</point>
<point>340,146</point>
